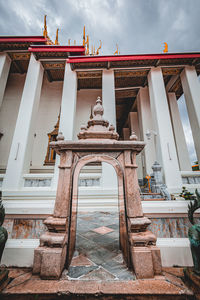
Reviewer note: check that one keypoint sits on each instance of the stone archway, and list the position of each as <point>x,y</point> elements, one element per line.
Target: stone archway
<point>97,140</point>
<point>123,226</point>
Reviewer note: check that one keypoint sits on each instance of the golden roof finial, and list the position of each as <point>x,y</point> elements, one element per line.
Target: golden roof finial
<point>87,43</point>
<point>97,52</point>
<point>56,40</point>
<point>45,33</point>
<point>45,27</point>
<point>166,48</point>
<point>74,42</point>
<point>69,42</point>
<point>84,36</point>
<point>117,51</point>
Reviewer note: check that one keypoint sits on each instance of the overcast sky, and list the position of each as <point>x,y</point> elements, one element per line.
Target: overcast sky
<point>137,26</point>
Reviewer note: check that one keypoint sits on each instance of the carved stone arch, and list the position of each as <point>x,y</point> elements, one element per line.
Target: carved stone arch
<point>123,226</point>
<point>97,141</point>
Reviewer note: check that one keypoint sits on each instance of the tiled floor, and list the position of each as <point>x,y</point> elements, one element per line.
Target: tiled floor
<point>97,255</point>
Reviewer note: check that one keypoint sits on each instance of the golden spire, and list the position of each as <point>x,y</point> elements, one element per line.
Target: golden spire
<point>97,52</point>
<point>69,42</point>
<point>117,51</point>
<point>74,42</point>
<point>84,36</point>
<point>87,43</point>
<point>56,40</point>
<point>94,49</point>
<point>45,27</point>
<point>45,33</point>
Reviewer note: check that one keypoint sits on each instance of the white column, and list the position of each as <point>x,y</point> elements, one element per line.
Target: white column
<point>165,145</point>
<point>191,89</point>
<point>109,177</point>
<point>181,146</point>
<point>5,62</point>
<point>146,125</point>
<point>134,126</point>
<point>108,96</point>
<point>68,111</point>
<point>20,152</point>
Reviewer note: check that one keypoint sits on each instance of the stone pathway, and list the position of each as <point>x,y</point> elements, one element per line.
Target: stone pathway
<point>97,256</point>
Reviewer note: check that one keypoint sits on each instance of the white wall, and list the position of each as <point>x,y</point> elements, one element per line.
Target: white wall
<point>46,120</point>
<point>8,114</point>
<point>85,98</point>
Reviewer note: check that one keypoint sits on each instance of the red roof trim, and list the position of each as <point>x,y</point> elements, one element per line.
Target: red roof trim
<point>52,48</point>
<point>22,39</point>
<point>89,59</point>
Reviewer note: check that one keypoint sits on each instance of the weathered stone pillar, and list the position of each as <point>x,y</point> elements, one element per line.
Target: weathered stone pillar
<point>145,255</point>
<point>5,62</point>
<point>181,146</point>
<point>20,152</point>
<point>165,144</point>
<point>191,89</point>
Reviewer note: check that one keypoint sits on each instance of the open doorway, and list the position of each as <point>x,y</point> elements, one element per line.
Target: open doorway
<point>98,254</point>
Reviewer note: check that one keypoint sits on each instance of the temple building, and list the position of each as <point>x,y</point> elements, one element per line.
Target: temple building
<point>46,88</point>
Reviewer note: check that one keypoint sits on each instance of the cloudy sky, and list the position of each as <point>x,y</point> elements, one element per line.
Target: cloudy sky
<point>137,26</point>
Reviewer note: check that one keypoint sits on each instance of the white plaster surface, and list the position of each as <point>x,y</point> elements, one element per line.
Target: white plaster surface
<point>20,252</point>
<point>5,62</point>
<point>8,114</point>
<point>47,117</point>
<point>20,152</point>
<point>191,89</point>
<point>146,125</point>
<point>181,146</point>
<point>165,144</point>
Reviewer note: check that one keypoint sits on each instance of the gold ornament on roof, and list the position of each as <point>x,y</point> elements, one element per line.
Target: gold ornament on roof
<point>87,44</point>
<point>97,52</point>
<point>84,36</point>
<point>166,48</point>
<point>117,51</point>
<point>45,32</point>
<point>56,40</point>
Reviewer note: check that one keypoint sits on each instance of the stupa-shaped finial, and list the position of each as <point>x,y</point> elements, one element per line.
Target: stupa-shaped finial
<point>97,127</point>
<point>98,109</point>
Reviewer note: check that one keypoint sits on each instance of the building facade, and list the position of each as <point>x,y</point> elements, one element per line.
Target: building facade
<point>46,89</point>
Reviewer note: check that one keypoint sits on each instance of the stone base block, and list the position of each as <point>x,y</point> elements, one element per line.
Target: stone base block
<point>53,261</point>
<point>142,262</point>
<point>49,262</point>
<point>156,258</point>
<point>37,259</point>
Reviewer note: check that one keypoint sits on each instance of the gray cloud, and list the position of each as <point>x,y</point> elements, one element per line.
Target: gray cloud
<point>137,26</point>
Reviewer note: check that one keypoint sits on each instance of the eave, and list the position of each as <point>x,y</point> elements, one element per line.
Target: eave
<point>18,43</point>
<point>137,60</point>
<point>56,51</point>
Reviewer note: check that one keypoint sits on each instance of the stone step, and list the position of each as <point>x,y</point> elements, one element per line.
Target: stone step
<point>26,286</point>
<point>153,199</point>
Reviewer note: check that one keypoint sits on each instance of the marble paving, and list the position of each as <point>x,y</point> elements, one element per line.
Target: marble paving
<point>97,256</point>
